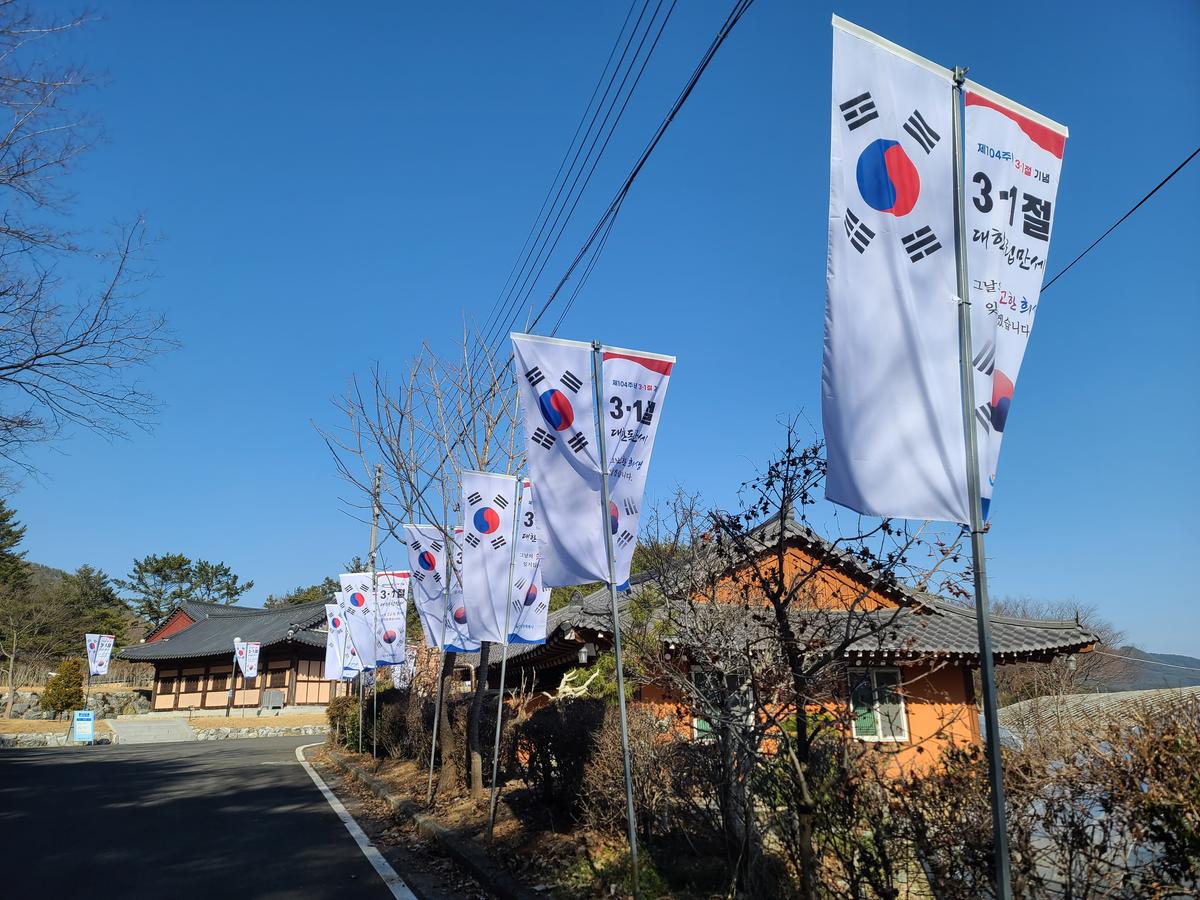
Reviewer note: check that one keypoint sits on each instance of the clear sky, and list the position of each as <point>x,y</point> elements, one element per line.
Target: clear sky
<point>334,184</point>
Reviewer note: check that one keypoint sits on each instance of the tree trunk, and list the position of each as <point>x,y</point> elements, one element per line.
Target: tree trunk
<point>12,687</point>
<point>474,752</point>
<point>448,777</point>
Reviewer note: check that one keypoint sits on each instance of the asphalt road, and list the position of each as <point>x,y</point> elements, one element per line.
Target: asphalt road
<point>232,820</point>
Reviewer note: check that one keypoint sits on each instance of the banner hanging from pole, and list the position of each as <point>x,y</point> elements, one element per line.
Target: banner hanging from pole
<point>246,653</point>
<point>392,606</point>
<point>455,614</point>
<point>402,674</point>
<point>559,415</point>
<point>891,403</point>
<point>427,561</point>
<point>530,601</point>
<point>335,642</point>
<point>1013,160</point>
<point>99,652</point>
<point>358,606</point>
<point>489,505</point>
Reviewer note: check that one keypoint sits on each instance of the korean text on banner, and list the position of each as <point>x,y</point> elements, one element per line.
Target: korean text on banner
<point>358,605</point>
<point>427,560</point>
<point>530,601</point>
<point>390,632</point>
<point>556,390</point>
<point>99,652</point>
<point>247,657</point>
<point>489,504</point>
<point>1012,161</point>
<point>890,382</point>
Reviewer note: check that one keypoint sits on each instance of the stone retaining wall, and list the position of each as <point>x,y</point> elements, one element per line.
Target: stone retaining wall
<point>229,734</point>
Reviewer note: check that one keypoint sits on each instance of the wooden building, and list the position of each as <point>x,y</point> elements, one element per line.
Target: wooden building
<point>192,654</point>
<point>908,684</point>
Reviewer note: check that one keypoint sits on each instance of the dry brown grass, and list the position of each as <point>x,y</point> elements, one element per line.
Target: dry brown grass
<point>44,726</point>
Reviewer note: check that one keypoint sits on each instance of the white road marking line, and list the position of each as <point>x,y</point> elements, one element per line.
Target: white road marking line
<point>394,882</point>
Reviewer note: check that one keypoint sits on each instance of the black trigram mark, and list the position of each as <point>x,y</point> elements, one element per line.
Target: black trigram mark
<point>578,442</point>
<point>498,542</point>
<point>437,546</point>
<point>420,576</point>
<point>858,111</point>
<point>648,415</point>
<point>541,605</point>
<point>474,497</point>
<point>519,583</point>
<point>414,543</point>
<point>472,540</point>
<point>631,508</point>
<point>571,381</point>
<point>437,577</point>
<point>921,243</point>
<point>860,235</point>
<point>516,605</point>
<point>920,131</point>
<point>543,438</point>
<point>501,502</point>
<point>983,414</point>
<point>624,538</point>
<point>535,377</point>
<point>985,359</point>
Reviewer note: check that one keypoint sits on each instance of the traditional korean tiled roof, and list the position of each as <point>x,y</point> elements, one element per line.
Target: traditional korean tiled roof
<point>217,625</point>
<point>1030,717</point>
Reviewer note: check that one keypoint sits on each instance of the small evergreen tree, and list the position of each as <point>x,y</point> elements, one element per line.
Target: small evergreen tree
<point>65,690</point>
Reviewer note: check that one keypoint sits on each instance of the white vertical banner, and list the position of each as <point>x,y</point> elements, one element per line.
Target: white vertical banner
<point>99,652</point>
<point>390,632</point>
<point>335,642</point>
<point>560,419</point>
<point>455,615</point>
<point>359,608</point>
<point>1012,163</point>
<point>633,387</point>
<point>530,601</point>
<point>489,505</point>
<point>427,561</point>
<point>402,674</point>
<point>247,657</point>
<point>890,382</point>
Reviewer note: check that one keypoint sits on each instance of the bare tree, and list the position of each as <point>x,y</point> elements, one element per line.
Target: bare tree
<point>64,360</point>
<point>764,611</point>
<point>444,416</point>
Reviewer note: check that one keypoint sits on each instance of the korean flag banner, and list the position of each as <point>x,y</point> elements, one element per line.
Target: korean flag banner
<point>489,504</point>
<point>402,675</point>
<point>558,412</point>
<point>427,561</point>
<point>247,657</point>
<point>890,383</point>
<point>352,663</point>
<point>529,600</point>
<point>1013,157</point>
<point>335,642</point>
<point>99,652</point>
<point>455,615</point>
<point>392,606</point>
<point>358,605</point>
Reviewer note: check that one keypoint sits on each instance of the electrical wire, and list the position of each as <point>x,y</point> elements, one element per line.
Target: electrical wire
<point>1112,227</point>
<point>1147,662</point>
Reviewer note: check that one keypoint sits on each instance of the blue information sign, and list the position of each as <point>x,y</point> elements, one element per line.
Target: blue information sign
<point>84,726</point>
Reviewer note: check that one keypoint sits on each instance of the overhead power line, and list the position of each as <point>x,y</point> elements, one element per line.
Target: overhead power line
<point>1147,662</point>
<point>1112,227</point>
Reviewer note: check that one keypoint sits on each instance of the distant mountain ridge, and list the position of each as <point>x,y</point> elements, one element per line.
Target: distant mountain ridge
<point>1156,670</point>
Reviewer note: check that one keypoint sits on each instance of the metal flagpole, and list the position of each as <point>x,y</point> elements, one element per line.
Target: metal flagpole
<point>967,375</point>
<point>447,537</point>
<point>597,368</point>
<point>360,705</point>
<point>512,561</point>
<point>232,680</point>
<point>374,600</point>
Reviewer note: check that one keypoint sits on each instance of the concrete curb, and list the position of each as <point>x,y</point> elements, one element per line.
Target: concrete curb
<point>463,851</point>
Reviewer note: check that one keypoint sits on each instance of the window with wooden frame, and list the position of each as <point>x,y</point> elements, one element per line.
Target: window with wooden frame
<point>278,678</point>
<point>191,684</point>
<point>218,681</point>
<point>166,685</point>
<point>877,706</point>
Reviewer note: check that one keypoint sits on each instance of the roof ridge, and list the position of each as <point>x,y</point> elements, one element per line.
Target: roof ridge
<point>943,605</point>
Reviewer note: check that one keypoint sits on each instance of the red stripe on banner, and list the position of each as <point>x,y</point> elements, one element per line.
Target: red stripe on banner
<point>661,366</point>
<point>1046,138</point>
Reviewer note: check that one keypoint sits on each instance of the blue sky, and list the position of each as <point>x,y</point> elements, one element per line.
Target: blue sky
<point>333,188</point>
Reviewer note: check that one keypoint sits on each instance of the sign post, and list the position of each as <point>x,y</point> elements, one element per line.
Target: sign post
<point>83,726</point>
